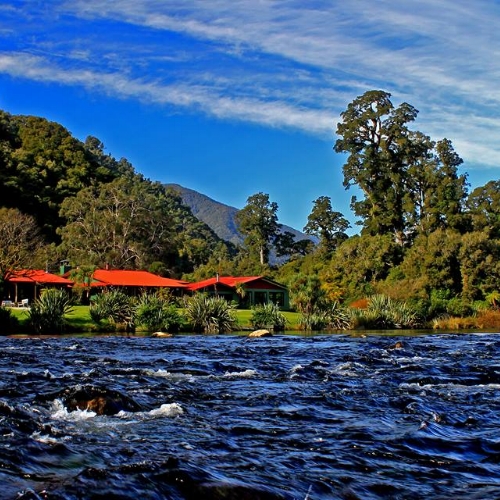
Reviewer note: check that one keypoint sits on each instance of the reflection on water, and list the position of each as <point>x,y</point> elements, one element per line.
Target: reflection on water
<point>226,417</point>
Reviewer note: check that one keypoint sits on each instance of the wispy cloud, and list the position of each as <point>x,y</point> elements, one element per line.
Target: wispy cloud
<point>282,63</point>
<point>272,113</point>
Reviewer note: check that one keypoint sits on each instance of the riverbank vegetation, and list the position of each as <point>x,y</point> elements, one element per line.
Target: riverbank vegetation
<point>79,320</point>
<point>427,253</point>
<point>211,315</point>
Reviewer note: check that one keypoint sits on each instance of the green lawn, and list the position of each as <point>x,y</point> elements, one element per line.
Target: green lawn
<point>80,321</point>
<point>244,316</point>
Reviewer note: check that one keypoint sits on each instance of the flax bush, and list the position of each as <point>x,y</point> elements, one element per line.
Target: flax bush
<point>155,313</point>
<point>268,316</point>
<point>115,308</point>
<point>329,317</point>
<point>385,313</point>
<point>210,314</point>
<point>47,313</point>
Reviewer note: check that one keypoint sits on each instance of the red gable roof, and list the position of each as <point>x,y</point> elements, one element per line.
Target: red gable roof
<point>231,282</point>
<point>115,277</point>
<point>37,276</point>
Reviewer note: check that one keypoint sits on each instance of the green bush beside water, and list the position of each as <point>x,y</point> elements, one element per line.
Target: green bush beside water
<point>268,316</point>
<point>48,313</point>
<point>78,320</point>
<point>379,313</point>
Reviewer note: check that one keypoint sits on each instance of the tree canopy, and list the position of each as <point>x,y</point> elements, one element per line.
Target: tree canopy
<point>258,221</point>
<point>410,183</point>
<point>329,226</point>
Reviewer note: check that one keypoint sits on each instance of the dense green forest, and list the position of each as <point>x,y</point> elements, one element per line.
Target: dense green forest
<point>424,238</point>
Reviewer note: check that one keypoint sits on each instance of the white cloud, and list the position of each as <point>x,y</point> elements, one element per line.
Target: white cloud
<point>287,63</point>
<point>274,114</point>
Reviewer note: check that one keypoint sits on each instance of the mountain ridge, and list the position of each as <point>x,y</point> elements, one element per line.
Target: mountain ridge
<point>221,218</point>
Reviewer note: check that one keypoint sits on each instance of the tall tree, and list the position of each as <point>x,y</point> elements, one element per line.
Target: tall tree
<point>123,223</point>
<point>286,244</point>
<point>21,241</point>
<point>329,226</point>
<point>375,136</point>
<point>483,206</point>
<point>410,183</point>
<point>258,222</point>
<point>435,191</point>
<point>451,189</point>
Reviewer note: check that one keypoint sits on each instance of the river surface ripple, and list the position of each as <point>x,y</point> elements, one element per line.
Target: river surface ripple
<point>227,417</point>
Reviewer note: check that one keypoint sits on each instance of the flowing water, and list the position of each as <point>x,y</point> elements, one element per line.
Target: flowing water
<point>227,417</point>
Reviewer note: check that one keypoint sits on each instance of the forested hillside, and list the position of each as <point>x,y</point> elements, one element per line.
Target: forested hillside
<point>84,206</point>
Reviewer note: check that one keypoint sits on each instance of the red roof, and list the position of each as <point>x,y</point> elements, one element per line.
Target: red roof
<point>37,276</point>
<point>115,277</point>
<point>229,281</point>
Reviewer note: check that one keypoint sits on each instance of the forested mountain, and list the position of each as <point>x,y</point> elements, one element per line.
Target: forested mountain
<point>220,217</point>
<point>216,215</point>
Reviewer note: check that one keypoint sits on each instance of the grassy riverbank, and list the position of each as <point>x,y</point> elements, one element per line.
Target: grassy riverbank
<point>79,320</point>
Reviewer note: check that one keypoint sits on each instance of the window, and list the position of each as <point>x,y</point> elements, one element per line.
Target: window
<point>277,298</point>
<point>260,298</point>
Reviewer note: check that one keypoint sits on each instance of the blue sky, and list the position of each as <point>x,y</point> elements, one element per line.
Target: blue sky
<point>234,97</point>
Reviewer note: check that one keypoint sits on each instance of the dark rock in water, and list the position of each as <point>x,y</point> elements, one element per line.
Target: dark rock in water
<point>100,400</point>
<point>397,345</point>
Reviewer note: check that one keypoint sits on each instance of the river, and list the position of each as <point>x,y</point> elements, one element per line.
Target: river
<point>227,417</point>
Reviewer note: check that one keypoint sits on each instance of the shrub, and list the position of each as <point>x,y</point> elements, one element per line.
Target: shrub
<point>458,307</point>
<point>438,302</point>
<point>47,314</point>
<point>314,321</point>
<point>488,319</point>
<point>156,314</point>
<point>338,317</point>
<point>333,317</point>
<point>446,322</point>
<point>115,308</point>
<point>268,316</point>
<point>384,313</point>
<point>210,314</point>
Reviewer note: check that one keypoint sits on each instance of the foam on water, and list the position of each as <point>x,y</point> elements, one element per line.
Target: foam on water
<point>60,412</point>
<point>167,410</point>
<point>244,374</point>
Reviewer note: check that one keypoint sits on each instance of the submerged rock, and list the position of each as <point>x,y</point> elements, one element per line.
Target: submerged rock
<point>260,333</point>
<point>100,400</point>
<point>397,345</point>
